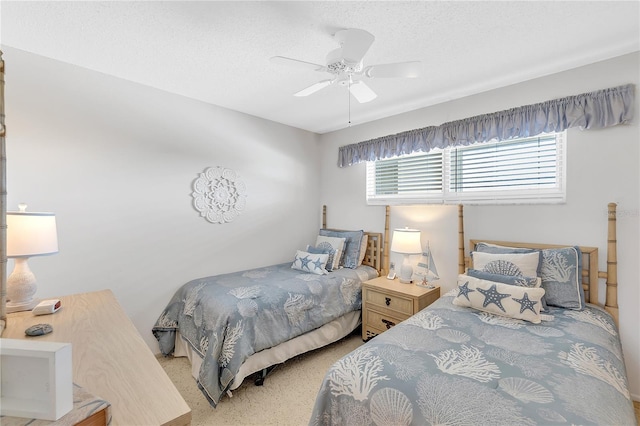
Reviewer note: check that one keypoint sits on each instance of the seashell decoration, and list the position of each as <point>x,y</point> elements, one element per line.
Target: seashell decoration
<point>391,407</point>
<point>525,390</point>
<point>502,267</point>
<point>543,331</point>
<point>247,308</point>
<point>453,335</point>
<point>308,277</point>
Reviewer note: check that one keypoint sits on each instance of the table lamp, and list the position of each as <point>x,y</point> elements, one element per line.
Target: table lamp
<point>406,241</point>
<point>28,234</point>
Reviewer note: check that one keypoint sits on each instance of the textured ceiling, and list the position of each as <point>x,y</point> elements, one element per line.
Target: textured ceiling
<point>218,52</point>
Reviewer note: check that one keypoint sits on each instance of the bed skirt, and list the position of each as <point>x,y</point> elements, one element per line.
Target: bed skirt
<point>322,336</point>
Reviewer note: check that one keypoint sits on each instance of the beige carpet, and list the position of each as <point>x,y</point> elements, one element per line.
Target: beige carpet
<point>274,403</point>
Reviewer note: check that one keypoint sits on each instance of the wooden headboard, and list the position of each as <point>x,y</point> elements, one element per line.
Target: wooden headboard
<point>590,273</point>
<point>3,206</point>
<point>374,255</point>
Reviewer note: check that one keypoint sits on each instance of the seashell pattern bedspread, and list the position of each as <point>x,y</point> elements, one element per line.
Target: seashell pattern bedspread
<point>459,366</point>
<point>227,318</point>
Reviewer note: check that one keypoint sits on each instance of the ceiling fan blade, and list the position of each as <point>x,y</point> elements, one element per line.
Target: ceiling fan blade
<point>314,88</point>
<point>362,92</point>
<point>297,63</point>
<point>400,69</point>
<point>355,44</point>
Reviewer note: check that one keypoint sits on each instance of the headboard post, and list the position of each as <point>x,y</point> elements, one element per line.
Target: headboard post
<point>385,263</point>
<point>324,216</point>
<point>3,206</point>
<point>461,256</point>
<point>611,301</point>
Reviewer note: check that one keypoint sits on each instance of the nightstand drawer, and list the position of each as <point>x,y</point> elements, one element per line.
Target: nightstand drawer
<point>387,301</point>
<point>381,321</point>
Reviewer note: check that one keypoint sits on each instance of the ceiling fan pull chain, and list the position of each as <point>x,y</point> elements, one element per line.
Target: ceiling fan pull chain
<point>349,100</point>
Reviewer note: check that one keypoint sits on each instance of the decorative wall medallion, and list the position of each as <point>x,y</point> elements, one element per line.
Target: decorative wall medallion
<point>219,195</point>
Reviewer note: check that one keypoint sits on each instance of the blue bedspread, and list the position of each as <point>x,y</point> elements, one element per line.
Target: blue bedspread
<point>227,318</point>
<point>449,365</point>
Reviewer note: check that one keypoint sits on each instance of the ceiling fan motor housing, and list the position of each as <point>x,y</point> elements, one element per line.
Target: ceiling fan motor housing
<point>337,65</point>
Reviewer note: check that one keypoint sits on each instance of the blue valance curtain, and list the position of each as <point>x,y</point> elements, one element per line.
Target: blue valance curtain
<point>593,110</point>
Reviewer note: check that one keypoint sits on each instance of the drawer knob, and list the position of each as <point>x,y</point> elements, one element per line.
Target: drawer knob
<point>387,300</point>
<point>388,323</point>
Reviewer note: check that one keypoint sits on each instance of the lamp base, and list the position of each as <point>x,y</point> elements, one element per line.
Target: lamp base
<point>22,306</point>
<point>406,271</point>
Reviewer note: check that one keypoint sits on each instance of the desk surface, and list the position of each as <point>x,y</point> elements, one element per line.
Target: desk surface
<point>110,359</point>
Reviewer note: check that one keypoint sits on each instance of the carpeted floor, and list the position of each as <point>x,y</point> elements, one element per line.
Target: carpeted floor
<point>274,403</point>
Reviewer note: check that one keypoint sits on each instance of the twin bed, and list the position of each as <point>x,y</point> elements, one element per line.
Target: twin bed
<point>494,350</point>
<point>487,352</point>
<point>233,325</point>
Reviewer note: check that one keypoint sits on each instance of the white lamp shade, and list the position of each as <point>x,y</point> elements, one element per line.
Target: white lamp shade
<point>31,234</point>
<point>406,241</point>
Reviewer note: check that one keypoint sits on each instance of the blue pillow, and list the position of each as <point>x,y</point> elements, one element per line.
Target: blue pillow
<point>561,274</point>
<point>353,241</point>
<point>560,270</point>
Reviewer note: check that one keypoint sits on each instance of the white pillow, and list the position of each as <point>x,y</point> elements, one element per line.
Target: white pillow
<point>363,248</point>
<point>308,262</point>
<point>518,264</point>
<point>501,299</point>
<point>334,242</point>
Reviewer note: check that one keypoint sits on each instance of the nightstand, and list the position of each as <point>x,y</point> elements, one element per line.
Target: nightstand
<point>386,302</point>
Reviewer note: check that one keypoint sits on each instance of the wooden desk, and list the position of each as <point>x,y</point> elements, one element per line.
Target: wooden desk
<point>110,359</point>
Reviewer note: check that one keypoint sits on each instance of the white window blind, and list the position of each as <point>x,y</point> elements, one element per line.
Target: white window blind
<point>528,170</point>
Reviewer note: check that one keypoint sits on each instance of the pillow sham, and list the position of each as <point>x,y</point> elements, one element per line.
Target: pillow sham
<point>351,252</point>
<point>363,248</point>
<point>530,282</point>
<point>310,262</point>
<point>324,250</point>
<point>334,243</point>
<point>500,299</point>
<point>562,277</point>
<point>517,280</point>
<point>520,264</point>
<point>494,248</point>
<point>560,270</point>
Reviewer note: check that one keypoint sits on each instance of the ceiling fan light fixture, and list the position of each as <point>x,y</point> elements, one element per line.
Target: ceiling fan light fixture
<point>346,62</point>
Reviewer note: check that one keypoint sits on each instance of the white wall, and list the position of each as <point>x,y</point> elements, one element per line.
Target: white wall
<point>602,167</point>
<point>115,161</point>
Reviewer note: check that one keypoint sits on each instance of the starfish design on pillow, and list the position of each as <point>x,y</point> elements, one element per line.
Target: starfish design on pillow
<point>492,296</point>
<point>465,290</point>
<point>525,303</point>
<point>304,262</point>
<point>318,264</point>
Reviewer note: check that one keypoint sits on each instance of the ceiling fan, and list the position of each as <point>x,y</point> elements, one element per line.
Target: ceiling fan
<point>346,65</point>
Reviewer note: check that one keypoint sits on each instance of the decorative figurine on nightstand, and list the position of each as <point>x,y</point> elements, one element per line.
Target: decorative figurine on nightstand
<point>427,269</point>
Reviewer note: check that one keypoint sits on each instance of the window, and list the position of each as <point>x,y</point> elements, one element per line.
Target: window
<point>529,170</point>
